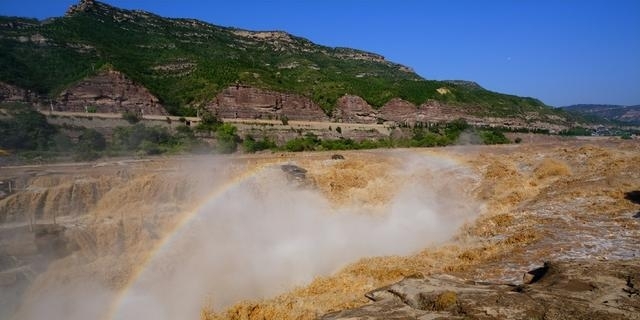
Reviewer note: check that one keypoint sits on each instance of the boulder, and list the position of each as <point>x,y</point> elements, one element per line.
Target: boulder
<point>294,172</point>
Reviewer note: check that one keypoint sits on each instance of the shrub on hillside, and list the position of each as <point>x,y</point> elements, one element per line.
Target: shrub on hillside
<point>308,143</point>
<point>208,122</point>
<point>28,130</point>
<point>91,139</point>
<point>493,137</point>
<point>252,145</point>
<point>227,138</point>
<point>131,117</point>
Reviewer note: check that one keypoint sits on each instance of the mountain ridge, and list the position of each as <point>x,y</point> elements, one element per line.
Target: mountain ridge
<point>628,115</point>
<point>185,63</point>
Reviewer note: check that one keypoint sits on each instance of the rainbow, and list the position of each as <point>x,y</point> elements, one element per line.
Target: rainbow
<point>189,216</point>
<point>117,303</point>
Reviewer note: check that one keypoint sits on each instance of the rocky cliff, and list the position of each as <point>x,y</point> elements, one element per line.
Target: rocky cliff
<point>113,92</point>
<point>354,109</point>
<point>400,111</point>
<point>109,92</point>
<point>568,290</point>
<point>246,102</point>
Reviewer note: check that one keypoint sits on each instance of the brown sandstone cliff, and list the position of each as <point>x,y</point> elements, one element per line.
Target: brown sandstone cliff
<point>113,92</point>
<point>246,102</point>
<point>252,103</point>
<point>354,109</point>
<point>400,111</point>
<point>109,92</point>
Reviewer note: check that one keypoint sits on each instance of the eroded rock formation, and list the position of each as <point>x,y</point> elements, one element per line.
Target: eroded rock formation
<point>245,102</point>
<point>400,111</point>
<point>354,109</point>
<point>252,103</point>
<point>109,92</point>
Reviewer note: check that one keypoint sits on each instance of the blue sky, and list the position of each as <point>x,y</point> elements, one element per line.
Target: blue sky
<point>560,51</point>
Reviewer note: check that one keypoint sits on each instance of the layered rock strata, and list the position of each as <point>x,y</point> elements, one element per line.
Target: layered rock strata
<point>243,102</point>
<point>109,92</point>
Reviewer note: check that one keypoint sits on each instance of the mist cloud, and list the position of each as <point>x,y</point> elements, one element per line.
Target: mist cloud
<point>265,235</point>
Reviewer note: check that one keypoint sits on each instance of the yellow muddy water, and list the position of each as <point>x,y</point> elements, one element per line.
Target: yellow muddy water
<point>237,237</point>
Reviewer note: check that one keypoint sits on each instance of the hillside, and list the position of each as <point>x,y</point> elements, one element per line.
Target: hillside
<point>185,63</point>
<point>623,114</point>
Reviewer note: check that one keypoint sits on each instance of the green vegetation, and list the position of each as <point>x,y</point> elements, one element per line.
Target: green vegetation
<point>90,143</point>
<point>493,137</point>
<point>131,117</point>
<point>209,122</point>
<point>27,133</point>
<point>309,142</point>
<point>143,139</point>
<point>185,63</point>
<point>227,138</point>
<point>25,129</point>
<point>435,135</point>
<point>251,145</point>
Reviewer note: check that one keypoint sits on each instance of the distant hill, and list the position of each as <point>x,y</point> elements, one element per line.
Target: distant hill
<point>614,113</point>
<point>186,63</point>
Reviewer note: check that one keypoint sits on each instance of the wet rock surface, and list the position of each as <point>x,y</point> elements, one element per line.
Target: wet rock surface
<point>558,290</point>
<point>294,172</point>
